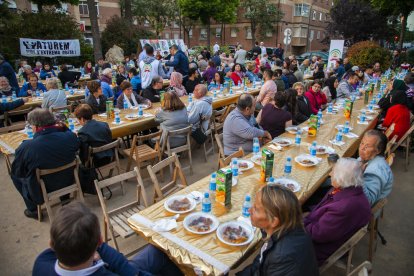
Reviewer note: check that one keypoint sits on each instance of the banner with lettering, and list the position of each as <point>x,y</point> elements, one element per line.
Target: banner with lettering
<point>163,45</point>
<point>49,48</point>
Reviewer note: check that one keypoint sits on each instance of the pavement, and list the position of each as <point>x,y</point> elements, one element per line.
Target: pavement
<point>22,239</point>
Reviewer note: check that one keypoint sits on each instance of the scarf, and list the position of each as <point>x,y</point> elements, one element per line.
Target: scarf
<point>133,100</point>
<point>176,81</point>
<point>106,79</point>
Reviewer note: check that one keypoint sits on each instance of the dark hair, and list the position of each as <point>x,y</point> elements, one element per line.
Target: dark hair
<point>192,71</point>
<point>63,67</point>
<point>399,97</point>
<point>74,234</point>
<point>155,79</point>
<point>278,72</point>
<point>317,81</point>
<point>280,99</point>
<point>290,96</point>
<point>211,64</point>
<point>351,74</point>
<point>293,67</point>
<point>133,71</point>
<point>221,77</point>
<point>106,65</point>
<point>172,102</point>
<point>279,63</point>
<point>174,47</point>
<point>47,63</point>
<point>125,85</point>
<point>93,86</point>
<point>245,101</point>
<point>268,72</point>
<point>32,75</point>
<point>370,66</point>
<point>382,140</point>
<point>330,83</point>
<point>149,50</point>
<point>241,67</point>
<point>409,78</point>
<point>84,111</point>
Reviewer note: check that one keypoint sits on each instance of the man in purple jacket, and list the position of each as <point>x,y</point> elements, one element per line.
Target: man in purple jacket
<point>341,213</point>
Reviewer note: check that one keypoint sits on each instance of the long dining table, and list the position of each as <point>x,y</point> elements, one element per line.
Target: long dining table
<point>206,254</point>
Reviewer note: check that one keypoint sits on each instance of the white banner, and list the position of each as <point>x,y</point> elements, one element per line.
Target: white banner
<point>335,52</point>
<point>49,48</point>
<point>163,45</point>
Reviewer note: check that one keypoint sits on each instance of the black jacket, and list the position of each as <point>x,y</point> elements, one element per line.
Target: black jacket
<point>93,103</point>
<point>120,78</point>
<point>68,77</point>
<point>290,255</point>
<point>303,110</point>
<point>151,94</point>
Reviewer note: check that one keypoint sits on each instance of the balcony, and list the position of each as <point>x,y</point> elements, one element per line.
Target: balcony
<point>298,41</point>
<point>301,19</point>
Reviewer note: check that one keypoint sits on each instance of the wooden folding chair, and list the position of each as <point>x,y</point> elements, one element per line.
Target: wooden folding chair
<point>219,141</point>
<point>376,212</point>
<point>347,247</point>
<point>217,120</point>
<point>209,134</point>
<point>223,162</point>
<point>62,108</point>
<point>362,270</point>
<point>113,163</point>
<point>389,130</point>
<point>140,152</point>
<point>389,145</point>
<point>186,147</point>
<point>3,130</point>
<point>405,142</point>
<point>115,220</point>
<point>9,114</point>
<point>171,186</point>
<point>49,197</point>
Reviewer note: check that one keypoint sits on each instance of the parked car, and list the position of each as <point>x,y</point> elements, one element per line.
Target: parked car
<point>309,55</point>
<point>269,52</point>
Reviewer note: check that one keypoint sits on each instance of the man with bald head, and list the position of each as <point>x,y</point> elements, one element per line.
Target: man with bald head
<point>200,107</point>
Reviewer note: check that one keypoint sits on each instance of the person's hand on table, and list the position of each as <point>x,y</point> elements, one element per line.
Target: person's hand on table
<point>25,99</point>
<point>149,103</point>
<point>266,137</point>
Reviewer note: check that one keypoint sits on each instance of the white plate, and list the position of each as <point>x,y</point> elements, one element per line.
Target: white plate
<point>132,117</point>
<point>283,142</point>
<point>102,115</point>
<point>367,111</point>
<point>170,200</point>
<point>248,162</point>
<point>292,129</point>
<point>194,216</point>
<point>249,231</point>
<point>338,127</point>
<point>285,181</point>
<point>144,106</point>
<point>236,88</point>
<point>257,160</point>
<point>302,157</point>
<point>305,129</point>
<point>328,150</point>
<point>368,118</point>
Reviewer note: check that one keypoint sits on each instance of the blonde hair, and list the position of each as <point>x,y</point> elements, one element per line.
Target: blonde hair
<point>52,83</point>
<point>298,84</point>
<point>280,202</point>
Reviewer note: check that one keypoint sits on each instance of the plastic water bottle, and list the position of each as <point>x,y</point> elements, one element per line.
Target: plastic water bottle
<point>330,109</point>
<point>190,98</point>
<point>235,169</point>
<point>214,94</point>
<point>346,127</point>
<point>313,148</point>
<point>245,89</point>
<point>319,115</point>
<point>125,104</point>
<point>239,85</point>
<point>71,125</point>
<point>362,117</point>
<point>231,91</point>
<point>14,97</point>
<point>213,185</point>
<point>246,206</point>
<point>254,84</point>
<point>338,137</point>
<point>206,204</point>
<point>71,92</point>
<point>298,137</point>
<point>140,111</point>
<point>29,132</point>
<point>256,146</point>
<point>4,99</point>
<point>66,87</point>
<point>288,167</point>
<point>271,180</point>
<point>117,118</point>
<point>37,93</point>
<point>82,71</point>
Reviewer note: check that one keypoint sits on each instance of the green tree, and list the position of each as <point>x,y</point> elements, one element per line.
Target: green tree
<point>157,12</point>
<point>96,36</point>
<point>262,15</point>
<point>219,10</point>
<point>400,8</point>
<point>56,3</point>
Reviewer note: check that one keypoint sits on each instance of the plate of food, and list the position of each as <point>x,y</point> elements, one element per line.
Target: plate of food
<point>283,142</point>
<point>180,204</point>
<point>320,149</point>
<point>200,223</point>
<point>245,165</point>
<point>367,111</point>
<point>144,106</point>
<point>338,127</point>
<point>257,159</point>
<point>235,233</point>
<point>368,118</point>
<point>306,160</point>
<point>132,117</point>
<point>293,129</point>
<point>291,184</point>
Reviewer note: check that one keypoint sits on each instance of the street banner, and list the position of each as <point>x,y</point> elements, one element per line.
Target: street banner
<point>336,51</point>
<point>163,45</point>
<point>49,48</point>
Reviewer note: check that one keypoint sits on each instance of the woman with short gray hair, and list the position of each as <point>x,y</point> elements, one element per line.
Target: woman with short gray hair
<point>40,117</point>
<point>54,97</point>
<point>341,213</point>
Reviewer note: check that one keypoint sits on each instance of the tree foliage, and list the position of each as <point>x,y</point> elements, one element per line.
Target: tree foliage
<point>366,53</point>
<point>262,15</point>
<point>121,32</point>
<point>55,3</point>
<point>356,20</point>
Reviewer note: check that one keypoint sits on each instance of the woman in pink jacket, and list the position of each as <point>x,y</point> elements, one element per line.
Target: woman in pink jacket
<point>317,99</point>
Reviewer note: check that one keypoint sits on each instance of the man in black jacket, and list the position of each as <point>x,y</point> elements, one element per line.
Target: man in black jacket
<point>180,62</point>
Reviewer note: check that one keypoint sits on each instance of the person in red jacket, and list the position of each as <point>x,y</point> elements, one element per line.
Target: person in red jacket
<point>399,114</point>
<point>317,99</point>
<point>238,74</point>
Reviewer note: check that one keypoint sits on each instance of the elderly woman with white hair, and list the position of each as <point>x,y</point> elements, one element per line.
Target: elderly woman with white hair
<point>54,97</point>
<point>106,81</point>
<point>341,213</point>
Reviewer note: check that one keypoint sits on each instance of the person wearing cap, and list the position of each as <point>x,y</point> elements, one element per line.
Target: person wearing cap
<point>180,62</point>
<point>6,70</point>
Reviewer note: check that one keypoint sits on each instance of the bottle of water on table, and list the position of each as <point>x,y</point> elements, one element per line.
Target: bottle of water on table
<point>4,99</point>
<point>346,127</point>
<point>206,204</point>
<point>298,137</point>
<point>338,137</point>
<point>246,206</point>
<point>140,111</point>
<point>71,125</point>
<point>190,98</point>
<point>213,185</point>
<point>14,96</point>
<point>117,118</point>
<point>125,104</point>
<point>313,148</point>
<point>330,109</point>
<point>256,146</point>
<point>362,117</point>
<point>288,167</point>
<point>66,87</point>
<point>235,169</point>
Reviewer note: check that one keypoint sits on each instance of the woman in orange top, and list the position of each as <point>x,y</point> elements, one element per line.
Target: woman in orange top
<point>399,114</point>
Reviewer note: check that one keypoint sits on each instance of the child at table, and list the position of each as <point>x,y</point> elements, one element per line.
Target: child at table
<point>77,249</point>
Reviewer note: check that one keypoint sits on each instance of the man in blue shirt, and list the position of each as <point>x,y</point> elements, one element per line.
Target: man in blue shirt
<point>180,62</point>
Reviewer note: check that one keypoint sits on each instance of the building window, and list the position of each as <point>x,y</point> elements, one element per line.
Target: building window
<point>318,35</point>
<point>176,36</point>
<point>203,34</point>
<point>313,15</point>
<point>175,25</point>
<point>10,4</point>
<point>190,33</point>
<point>218,32</point>
<point>167,36</point>
<point>300,32</point>
<point>233,32</point>
<point>83,8</point>
<point>302,10</point>
<point>320,16</point>
<point>63,8</point>
<point>35,8</point>
<point>248,33</point>
<point>311,35</point>
<point>269,34</point>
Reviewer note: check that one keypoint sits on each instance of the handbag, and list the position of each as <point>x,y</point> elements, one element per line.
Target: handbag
<point>87,177</point>
<point>198,134</point>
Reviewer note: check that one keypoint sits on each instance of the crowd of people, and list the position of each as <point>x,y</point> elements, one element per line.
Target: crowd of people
<point>295,243</point>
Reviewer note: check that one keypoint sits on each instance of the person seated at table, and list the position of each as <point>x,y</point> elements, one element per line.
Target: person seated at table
<point>135,80</point>
<point>27,71</point>
<point>152,92</point>
<point>47,72</point>
<point>6,70</point>
<point>319,73</point>
<point>239,129</point>
<point>409,82</point>
<point>9,106</point>
<point>96,100</point>
<point>250,73</point>
<point>106,82</point>
<point>399,114</point>
<point>216,82</point>
<point>317,100</point>
<point>176,84</point>
<point>378,177</point>
<point>287,249</point>
<point>273,118</point>
<point>92,134</point>
<point>341,213</point>
<point>121,74</point>
<point>172,116</point>
<point>303,110</point>
<point>329,89</point>
<point>237,74</point>
<point>5,88</point>
<point>200,107</point>
<point>54,97</point>
<point>193,79</point>
<point>76,248</point>
<point>385,102</point>
<point>88,68</point>
<point>211,70</point>
<point>53,145</point>
<point>68,77</point>
<point>346,87</point>
<point>267,91</point>
<point>30,87</point>
<point>38,67</point>
<point>130,96</point>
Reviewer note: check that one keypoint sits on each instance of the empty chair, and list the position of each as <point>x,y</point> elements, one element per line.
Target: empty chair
<point>405,142</point>
<point>217,120</point>
<point>219,141</point>
<point>166,147</point>
<point>61,109</point>
<point>223,162</point>
<point>390,130</point>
